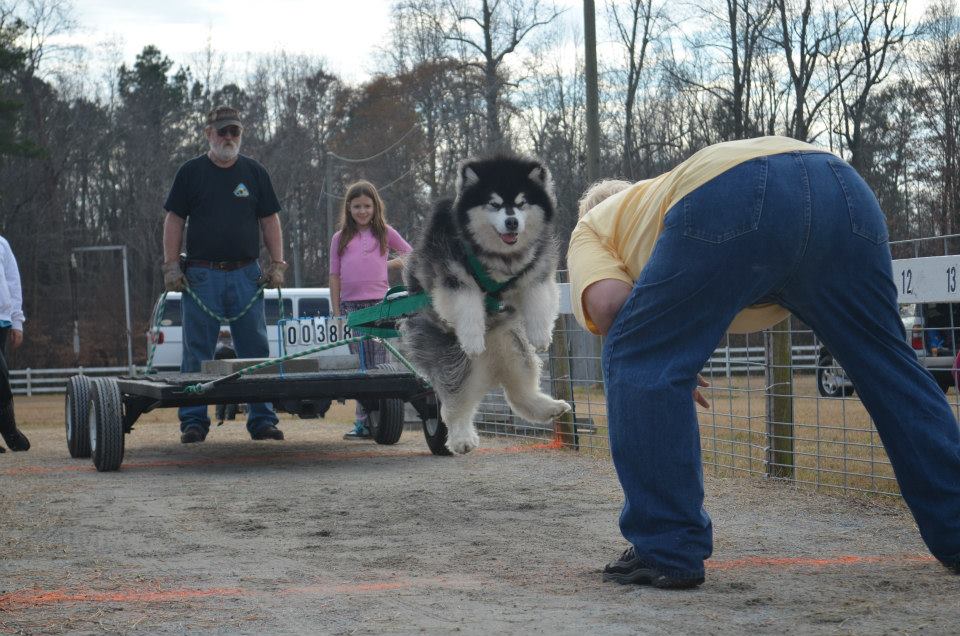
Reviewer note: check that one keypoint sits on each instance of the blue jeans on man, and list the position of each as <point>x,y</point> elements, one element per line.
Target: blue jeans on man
<point>804,231</point>
<point>225,293</point>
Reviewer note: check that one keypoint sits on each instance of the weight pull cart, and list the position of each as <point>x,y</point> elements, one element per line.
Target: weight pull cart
<point>99,412</point>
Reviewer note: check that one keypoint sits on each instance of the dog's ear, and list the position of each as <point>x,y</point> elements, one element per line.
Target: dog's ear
<point>466,176</point>
<point>542,177</point>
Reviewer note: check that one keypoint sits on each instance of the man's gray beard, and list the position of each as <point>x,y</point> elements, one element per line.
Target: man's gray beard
<point>224,154</point>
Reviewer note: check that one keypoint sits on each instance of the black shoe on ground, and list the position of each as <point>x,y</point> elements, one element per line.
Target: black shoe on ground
<point>192,435</point>
<point>953,566</point>
<point>16,441</point>
<point>630,568</point>
<point>268,432</point>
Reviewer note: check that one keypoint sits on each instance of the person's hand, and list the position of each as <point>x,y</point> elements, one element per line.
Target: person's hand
<point>16,338</point>
<point>697,396</point>
<point>276,272</point>
<point>173,280</point>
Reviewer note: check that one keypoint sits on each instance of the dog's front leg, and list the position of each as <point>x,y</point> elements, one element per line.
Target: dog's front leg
<point>462,308</point>
<point>539,308</point>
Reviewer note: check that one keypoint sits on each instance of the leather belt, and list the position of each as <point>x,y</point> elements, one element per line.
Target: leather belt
<point>223,266</point>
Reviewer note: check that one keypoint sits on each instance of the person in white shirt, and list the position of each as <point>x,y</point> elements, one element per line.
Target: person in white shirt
<point>11,331</point>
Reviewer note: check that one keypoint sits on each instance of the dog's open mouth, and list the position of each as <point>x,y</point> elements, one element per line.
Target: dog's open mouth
<point>509,239</point>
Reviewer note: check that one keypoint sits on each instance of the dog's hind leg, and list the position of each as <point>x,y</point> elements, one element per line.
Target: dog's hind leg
<point>517,368</point>
<point>458,407</point>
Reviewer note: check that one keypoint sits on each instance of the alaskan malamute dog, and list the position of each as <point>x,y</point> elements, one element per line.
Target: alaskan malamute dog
<point>498,231</point>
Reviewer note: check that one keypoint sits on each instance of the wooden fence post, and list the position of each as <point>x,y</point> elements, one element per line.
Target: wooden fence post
<point>780,455</point>
<point>564,430</point>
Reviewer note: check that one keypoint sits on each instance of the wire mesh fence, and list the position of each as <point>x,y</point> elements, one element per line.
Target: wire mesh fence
<point>791,415</point>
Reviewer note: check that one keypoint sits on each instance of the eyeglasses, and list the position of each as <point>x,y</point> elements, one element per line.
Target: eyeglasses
<point>233,131</point>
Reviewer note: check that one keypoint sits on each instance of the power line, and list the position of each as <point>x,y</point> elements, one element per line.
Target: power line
<point>385,150</point>
<point>379,188</point>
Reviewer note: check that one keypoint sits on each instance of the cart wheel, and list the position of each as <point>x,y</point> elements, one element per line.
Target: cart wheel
<point>75,411</point>
<point>435,431</point>
<point>106,424</point>
<point>386,423</point>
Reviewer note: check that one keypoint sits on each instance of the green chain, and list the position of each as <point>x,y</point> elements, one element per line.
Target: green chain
<point>158,316</point>
<point>256,296</point>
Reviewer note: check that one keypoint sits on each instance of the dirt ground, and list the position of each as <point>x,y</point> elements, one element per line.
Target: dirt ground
<point>316,534</point>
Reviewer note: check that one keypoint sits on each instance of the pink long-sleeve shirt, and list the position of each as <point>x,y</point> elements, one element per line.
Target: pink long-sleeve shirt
<point>362,268</point>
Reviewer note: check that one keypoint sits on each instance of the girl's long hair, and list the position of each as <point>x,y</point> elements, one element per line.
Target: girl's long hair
<point>378,224</point>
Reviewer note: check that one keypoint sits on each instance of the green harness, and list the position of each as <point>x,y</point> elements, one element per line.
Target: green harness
<point>380,320</point>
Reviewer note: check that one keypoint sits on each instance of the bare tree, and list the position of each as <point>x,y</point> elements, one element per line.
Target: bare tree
<point>877,33</point>
<point>939,102</point>
<point>807,36</point>
<point>638,25</point>
<point>493,30</point>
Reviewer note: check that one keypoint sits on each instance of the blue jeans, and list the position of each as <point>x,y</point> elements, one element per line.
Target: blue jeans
<point>803,231</point>
<point>225,294</point>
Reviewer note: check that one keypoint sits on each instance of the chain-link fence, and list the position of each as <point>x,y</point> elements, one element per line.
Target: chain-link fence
<point>780,405</point>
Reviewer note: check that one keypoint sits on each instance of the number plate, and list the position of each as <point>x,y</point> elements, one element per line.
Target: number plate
<point>303,333</point>
<point>929,279</point>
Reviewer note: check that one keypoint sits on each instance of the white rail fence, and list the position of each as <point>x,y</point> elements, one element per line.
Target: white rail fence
<point>727,360</point>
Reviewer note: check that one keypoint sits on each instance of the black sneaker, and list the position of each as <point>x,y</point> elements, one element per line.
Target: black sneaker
<point>192,435</point>
<point>953,566</point>
<point>268,432</point>
<point>630,568</point>
<point>16,440</point>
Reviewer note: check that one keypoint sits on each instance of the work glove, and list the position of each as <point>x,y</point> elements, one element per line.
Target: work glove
<point>274,275</point>
<point>173,280</point>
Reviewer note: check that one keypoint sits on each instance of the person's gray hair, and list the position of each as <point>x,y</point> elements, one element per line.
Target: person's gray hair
<point>599,191</point>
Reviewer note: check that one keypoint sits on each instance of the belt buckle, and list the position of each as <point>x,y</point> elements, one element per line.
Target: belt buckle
<point>220,265</point>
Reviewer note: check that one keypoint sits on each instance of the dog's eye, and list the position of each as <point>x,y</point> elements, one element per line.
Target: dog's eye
<point>495,205</point>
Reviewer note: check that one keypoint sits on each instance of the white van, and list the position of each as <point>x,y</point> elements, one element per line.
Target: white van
<point>298,302</point>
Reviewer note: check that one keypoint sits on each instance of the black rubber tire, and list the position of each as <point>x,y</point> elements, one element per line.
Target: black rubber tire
<point>386,423</point>
<point>106,425</point>
<point>435,431</point>
<point>831,379</point>
<point>944,380</point>
<point>76,412</point>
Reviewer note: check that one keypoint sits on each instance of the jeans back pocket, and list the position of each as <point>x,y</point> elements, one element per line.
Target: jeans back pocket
<point>727,206</point>
<point>866,217</point>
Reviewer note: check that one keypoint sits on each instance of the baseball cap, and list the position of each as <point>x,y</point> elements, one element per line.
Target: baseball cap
<point>223,116</point>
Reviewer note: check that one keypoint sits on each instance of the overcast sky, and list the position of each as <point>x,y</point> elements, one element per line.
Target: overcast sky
<point>346,33</point>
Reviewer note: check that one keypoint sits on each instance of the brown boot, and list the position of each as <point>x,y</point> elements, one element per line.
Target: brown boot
<point>15,440</point>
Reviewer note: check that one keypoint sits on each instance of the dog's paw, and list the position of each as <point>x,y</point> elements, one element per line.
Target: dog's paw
<point>540,339</point>
<point>463,443</point>
<point>472,343</point>
<point>548,411</point>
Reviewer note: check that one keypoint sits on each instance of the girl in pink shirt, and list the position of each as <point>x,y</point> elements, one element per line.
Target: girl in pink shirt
<point>359,262</point>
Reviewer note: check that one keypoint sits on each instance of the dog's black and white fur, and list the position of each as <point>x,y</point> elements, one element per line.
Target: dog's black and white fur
<point>503,212</point>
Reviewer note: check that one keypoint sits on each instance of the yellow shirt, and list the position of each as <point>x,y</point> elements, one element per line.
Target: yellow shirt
<point>615,238</point>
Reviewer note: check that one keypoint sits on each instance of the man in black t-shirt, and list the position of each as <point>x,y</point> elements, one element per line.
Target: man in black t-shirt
<point>226,202</point>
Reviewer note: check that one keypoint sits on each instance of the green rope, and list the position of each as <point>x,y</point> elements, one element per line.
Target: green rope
<point>403,360</point>
<point>203,387</point>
